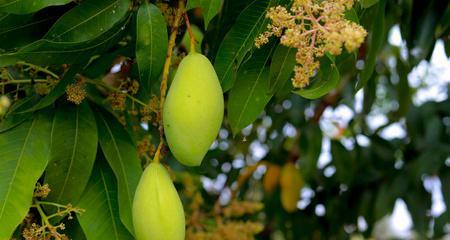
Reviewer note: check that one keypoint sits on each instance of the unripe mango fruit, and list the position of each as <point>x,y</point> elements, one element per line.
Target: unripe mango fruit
<point>193,110</point>
<point>291,183</point>
<point>157,209</point>
<point>271,178</point>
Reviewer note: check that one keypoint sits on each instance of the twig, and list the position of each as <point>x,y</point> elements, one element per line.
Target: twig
<point>40,69</point>
<point>23,81</point>
<point>191,35</point>
<point>165,74</point>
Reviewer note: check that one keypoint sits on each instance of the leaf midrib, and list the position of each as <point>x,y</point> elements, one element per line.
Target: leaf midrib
<point>72,157</point>
<point>282,64</point>
<point>82,22</point>
<point>245,41</point>
<point>10,3</point>
<point>252,89</point>
<point>17,167</point>
<point>108,199</point>
<point>120,159</point>
<point>63,51</point>
<point>26,25</point>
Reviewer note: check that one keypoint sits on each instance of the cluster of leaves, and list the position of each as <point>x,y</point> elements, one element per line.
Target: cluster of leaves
<point>87,152</point>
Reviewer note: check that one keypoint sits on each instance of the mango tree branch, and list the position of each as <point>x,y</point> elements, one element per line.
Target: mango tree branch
<point>165,74</point>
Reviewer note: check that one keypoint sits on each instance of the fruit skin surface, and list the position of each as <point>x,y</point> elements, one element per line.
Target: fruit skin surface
<point>193,111</point>
<point>271,178</point>
<point>291,183</point>
<point>157,209</point>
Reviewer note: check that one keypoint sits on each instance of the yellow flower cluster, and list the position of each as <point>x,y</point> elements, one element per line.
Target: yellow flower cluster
<point>145,147</point>
<point>37,232</point>
<point>41,190</point>
<point>41,88</point>
<point>117,100</point>
<point>76,92</point>
<point>240,208</point>
<point>168,12</point>
<point>313,27</point>
<point>230,230</point>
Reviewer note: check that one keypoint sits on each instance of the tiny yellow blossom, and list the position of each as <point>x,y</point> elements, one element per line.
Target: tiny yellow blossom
<point>313,27</point>
<point>76,92</point>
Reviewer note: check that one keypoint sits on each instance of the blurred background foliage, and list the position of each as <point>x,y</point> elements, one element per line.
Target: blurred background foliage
<point>363,154</point>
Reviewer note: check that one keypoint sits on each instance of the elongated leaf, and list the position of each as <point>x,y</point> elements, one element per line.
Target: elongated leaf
<point>376,40</point>
<point>403,89</point>
<point>210,8</point>
<point>444,23</point>
<point>88,20</point>
<point>368,3</point>
<point>325,81</point>
<point>122,156</point>
<point>19,30</point>
<point>13,117</point>
<point>48,52</point>
<point>311,146</point>
<point>281,68</point>
<point>101,219</point>
<point>151,44</point>
<point>74,230</point>
<point>24,153</point>
<point>27,6</point>
<point>251,93</point>
<point>239,40</point>
<point>72,153</point>
<point>222,24</point>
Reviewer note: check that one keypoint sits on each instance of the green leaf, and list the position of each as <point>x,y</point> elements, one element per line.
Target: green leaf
<point>326,80</point>
<point>352,15</point>
<point>19,30</point>
<point>368,3</point>
<point>370,90</point>
<point>73,229</point>
<point>375,42</point>
<point>239,40</point>
<point>250,94</point>
<point>343,161</point>
<point>101,219</point>
<point>27,6</point>
<point>72,153</point>
<point>151,44</point>
<point>444,23</point>
<point>13,117</point>
<point>88,20</point>
<point>122,156</point>
<point>210,8</point>
<point>384,201</point>
<point>404,91</point>
<point>281,68</point>
<point>311,148</point>
<point>47,52</point>
<point>24,154</point>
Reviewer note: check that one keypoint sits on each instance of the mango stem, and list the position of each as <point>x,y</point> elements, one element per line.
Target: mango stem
<point>166,68</point>
<point>158,152</point>
<point>191,35</point>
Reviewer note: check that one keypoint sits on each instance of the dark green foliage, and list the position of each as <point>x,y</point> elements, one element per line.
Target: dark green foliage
<point>88,152</point>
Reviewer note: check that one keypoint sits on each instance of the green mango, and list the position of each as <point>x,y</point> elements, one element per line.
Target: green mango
<point>193,111</point>
<point>157,209</point>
